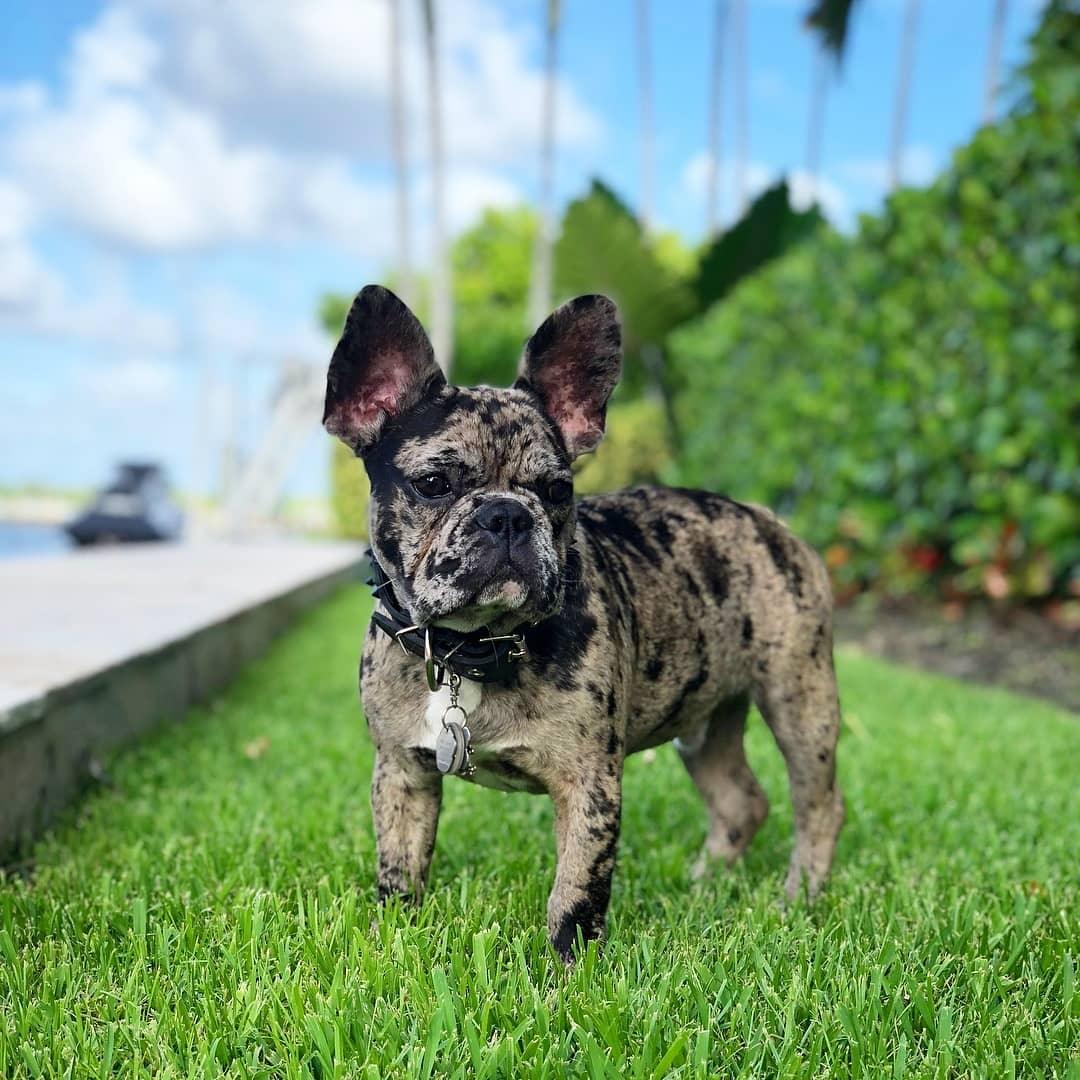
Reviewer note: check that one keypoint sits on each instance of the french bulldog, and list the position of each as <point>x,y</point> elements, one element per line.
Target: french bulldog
<point>529,641</point>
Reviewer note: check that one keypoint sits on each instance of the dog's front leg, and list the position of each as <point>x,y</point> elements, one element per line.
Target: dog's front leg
<point>587,810</point>
<point>405,805</point>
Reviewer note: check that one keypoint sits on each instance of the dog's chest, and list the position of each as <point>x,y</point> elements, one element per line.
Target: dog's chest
<point>491,763</point>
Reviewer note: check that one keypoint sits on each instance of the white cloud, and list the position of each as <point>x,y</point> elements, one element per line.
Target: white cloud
<point>805,190</point>
<point>190,128</point>
<point>115,53</point>
<point>129,381</point>
<point>34,298</point>
<point>469,191</point>
<point>918,166</point>
<point>21,98</point>
<point>314,75</point>
<point>225,322</point>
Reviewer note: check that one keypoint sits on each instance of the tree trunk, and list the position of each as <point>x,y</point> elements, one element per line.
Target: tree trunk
<point>993,61</point>
<point>742,105</point>
<point>815,127</point>
<point>401,160</point>
<point>442,305</point>
<point>648,136</point>
<point>903,90</point>
<point>540,283</point>
<point>716,120</point>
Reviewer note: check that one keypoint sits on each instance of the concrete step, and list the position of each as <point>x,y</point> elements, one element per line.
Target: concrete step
<point>99,646</point>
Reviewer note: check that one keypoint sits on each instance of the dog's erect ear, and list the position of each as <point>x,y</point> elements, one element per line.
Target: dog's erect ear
<point>572,363</point>
<point>382,366</point>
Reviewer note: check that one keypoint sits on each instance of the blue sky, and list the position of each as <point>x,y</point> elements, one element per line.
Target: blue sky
<point>181,180</point>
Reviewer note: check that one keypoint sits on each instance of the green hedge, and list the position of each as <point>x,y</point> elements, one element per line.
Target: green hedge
<point>636,449</point>
<point>910,397</point>
<point>350,493</point>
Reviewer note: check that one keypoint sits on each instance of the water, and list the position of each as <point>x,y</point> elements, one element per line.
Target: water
<point>18,539</point>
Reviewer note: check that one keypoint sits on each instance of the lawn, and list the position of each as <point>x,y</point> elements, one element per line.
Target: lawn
<point>212,913</point>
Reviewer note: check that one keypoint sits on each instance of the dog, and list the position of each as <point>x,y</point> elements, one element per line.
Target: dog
<point>527,641</point>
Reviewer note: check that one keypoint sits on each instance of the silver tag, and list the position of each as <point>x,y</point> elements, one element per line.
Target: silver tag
<point>452,749</point>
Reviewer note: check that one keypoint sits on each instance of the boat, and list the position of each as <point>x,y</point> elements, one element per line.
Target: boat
<point>135,508</point>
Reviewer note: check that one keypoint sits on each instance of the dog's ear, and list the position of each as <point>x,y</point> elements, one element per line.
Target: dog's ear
<point>382,366</point>
<point>572,363</point>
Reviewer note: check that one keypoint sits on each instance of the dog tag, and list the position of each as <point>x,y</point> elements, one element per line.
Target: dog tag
<point>452,749</point>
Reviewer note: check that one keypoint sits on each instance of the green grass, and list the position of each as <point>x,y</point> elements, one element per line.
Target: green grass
<point>213,914</point>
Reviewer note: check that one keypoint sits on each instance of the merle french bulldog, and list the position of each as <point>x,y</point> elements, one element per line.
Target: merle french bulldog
<point>529,642</point>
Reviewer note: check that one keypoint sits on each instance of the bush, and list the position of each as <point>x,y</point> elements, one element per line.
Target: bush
<point>635,449</point>
<point>349,493</point>
<point>910,398</point>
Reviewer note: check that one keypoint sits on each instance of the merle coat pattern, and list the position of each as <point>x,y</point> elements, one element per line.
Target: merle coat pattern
<point>651,614</point>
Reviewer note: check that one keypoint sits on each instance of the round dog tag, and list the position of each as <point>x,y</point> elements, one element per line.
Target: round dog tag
<point>452,749</point>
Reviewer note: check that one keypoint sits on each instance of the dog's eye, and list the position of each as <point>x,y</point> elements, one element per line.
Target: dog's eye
<point>431,486</point>
<point>560,491</point>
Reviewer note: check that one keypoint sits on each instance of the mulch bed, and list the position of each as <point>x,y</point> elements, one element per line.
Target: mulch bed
<point>1019,650</point>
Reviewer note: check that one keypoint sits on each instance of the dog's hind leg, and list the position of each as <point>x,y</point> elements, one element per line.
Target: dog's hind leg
<point>716,761</point>
<point>801,706</point>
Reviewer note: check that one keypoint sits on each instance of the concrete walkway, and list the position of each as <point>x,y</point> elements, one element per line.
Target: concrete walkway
<point>98,646</point>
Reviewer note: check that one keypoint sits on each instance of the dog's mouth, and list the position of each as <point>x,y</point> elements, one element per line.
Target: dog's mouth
<point>503,597</point>
<point>496,590</point>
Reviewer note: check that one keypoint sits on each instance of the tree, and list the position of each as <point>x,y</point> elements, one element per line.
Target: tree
<point>993,60</point>
<point>442,308</point>
<point>648,135</point>
<point>830,21</point>
<point>603,248</point>
<point>716,115</point>
<point>540,287</point>
<point>401,162</point>
<point>491,283</point>
<point>903,91</point>
<point>769,228</point>
<point>491,286</point>
<point>742,106</point>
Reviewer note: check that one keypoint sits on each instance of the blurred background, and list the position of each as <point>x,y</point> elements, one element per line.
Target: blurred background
<point>844,235</point>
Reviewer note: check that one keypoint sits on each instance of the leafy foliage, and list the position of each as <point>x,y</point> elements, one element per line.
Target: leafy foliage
<point>831,19</point>
<point>492,263</point>
<point>602,249</point>
<point>911,397</point>
<point>350,493</point>
<point>636,449</point>
<point>769,227</point>
<point>491,280</point>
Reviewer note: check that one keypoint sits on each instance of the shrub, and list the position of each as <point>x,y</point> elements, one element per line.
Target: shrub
<point>349,493</point>
<point>635,449</point>
<point>910,397</point>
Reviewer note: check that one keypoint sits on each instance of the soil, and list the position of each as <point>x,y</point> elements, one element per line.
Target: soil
<point>1019,650</point>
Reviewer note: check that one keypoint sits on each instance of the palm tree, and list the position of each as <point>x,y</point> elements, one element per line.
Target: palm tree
<point>540,283</point>
<point>831,20</point>
<point>815,125</point>
<point>401,162</point>
<point>648,136</point>
<point>716,117</point>
<point>742,105</point>
<point>442,309</point>
<point>903,90</point>
<point>993,60</point>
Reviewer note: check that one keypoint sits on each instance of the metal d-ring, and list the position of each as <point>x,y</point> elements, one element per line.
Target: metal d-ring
<point>432,669</point>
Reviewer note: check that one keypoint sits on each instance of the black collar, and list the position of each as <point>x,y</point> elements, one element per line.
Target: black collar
<point>476,655</point>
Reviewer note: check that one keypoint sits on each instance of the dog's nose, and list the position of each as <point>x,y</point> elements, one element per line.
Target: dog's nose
<point>506,518</point>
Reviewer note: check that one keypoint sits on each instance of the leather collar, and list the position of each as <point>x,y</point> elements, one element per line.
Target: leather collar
<point>477,655</point>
